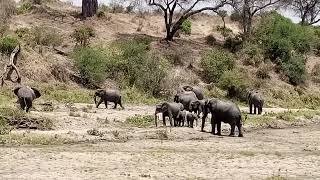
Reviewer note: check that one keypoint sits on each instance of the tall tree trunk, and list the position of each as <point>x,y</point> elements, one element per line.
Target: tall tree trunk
<point>89,8</point>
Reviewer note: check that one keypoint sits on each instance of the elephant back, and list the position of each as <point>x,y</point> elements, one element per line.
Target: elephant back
<point>25,92</point>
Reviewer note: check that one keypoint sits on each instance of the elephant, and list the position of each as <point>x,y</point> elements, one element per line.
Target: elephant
<point>171,110</point>
<point>188,117</point>
<point>197,91</point>
<point>198,106</point>
<point>223,111</point>
<point>185,98</point>
<point>25,96</point>
<point>256,101</point>
<point>106,96</point>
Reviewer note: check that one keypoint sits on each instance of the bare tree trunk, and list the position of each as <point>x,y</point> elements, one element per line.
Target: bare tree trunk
<point>89,8</point>
<point>11,67</point>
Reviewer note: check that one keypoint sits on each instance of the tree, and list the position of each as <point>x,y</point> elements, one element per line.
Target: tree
<point>188,8</point>
<point>89,8</point>
<point>248,9</point>
<point>308,11</point>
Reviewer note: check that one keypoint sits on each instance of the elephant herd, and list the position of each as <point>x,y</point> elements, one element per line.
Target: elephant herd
<point>188,104</point>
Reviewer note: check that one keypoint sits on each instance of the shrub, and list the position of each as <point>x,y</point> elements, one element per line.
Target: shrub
<point>233,43</point>
<point>83,34</point>
<point>186,27</point>
<point>44,36</point>
<point>252,54</point>
<point>91,63</point>
<point>7,44</point>
<point>263,72</point>
<point>279,36</point>
<point>235,82</point>
<point>295,69</point>
<point>117,8</point>
<point>225,31</point>
<point>3,29</point>
<point>132,65</point>
<point>316,73</point>
<point>215,63</point>
<point>235,16</point>
<point>316,46</point>
<point>210,40</point>
<point>24,8</point>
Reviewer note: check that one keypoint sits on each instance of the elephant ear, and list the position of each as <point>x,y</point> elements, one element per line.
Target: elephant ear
<point>15,91</point>
<point>36,92</point>
<point>187,88</point>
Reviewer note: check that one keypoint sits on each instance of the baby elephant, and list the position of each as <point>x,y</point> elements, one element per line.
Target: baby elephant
<point>188,117</point>
<point>256,101</point>
<point>108,96</point>
<point>25,96</point>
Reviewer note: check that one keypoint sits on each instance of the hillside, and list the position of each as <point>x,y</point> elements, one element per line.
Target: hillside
<point>56,65</point>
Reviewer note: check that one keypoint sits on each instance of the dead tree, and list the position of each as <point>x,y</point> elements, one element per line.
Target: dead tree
<point>89,8</point>
<point>11,67</point>
<point>187,8</point>
<point>308,11</point>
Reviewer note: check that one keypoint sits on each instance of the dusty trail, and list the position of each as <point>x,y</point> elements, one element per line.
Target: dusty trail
<point>187,154</point>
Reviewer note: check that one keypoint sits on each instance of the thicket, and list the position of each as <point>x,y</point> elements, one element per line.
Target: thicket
<point>284,43</point>
<point>129,62</point>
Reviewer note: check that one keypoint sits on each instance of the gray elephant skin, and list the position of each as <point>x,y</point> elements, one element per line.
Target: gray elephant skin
<point>170,110</point>
<point>188,117</point>
<point>197,91</point>
<point>185,98</point>
<point>25,96</point>
<point>198,106</point>
<point>223,111</point>
<point>106,96</point>
<point>255,101</point>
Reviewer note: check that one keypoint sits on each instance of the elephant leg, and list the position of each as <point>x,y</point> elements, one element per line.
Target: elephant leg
<point>213,126</point>
<point>233,126</point>
<point>251,108</point>
<point>255,109</point>
<point>100,101</point>
<point>115,105</point>
<point>203,121</point>
<point>191,123</point>
<point>120,104</point>
<point>22,103</point>
<point>218,128</point>
<point>171,120</point>
<point>164,120</point>
<point>106,103</point>
<point>260,110</point>
<point>239,126</point>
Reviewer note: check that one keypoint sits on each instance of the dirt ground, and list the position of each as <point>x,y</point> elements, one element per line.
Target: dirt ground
<point>126,152</point>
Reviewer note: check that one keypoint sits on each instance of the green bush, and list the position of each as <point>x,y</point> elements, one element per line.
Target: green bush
<point>225,31</point>
<point>7,44</point>
<point>132,65</point>
<point>279,36</point>
<point>3,29</point>
<point>236,83</point>
<point>83,34</point>
<point>186,27</point>
<point>295,69</point>
<point>251,54</point>
<point>234,44</point>
<point>210,40</point>
<point>215,63</point>
<point>91,63</point>
<point>24,8</point>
